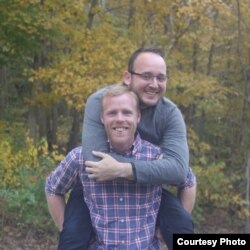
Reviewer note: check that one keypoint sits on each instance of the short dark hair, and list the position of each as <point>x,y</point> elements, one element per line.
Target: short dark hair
<point>139,51</point>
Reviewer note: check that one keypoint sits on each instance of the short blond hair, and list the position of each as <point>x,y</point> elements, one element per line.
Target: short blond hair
<point>117,90</point>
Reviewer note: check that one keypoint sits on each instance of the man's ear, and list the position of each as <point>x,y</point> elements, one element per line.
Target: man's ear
<point>139,117</point>
<point>127,78</point>
<point>101,118</point>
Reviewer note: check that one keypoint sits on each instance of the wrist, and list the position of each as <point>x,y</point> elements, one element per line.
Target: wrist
<point>126,171</point>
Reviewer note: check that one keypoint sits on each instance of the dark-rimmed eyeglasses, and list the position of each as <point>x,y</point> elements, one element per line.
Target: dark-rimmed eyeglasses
<point>147,76</point>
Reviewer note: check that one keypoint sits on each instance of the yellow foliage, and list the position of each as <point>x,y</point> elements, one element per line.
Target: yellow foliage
<point>18,167</point>
<point>94,62</point>
<point>200,91</point>
<point>215,190</point>
<point>8,164</point>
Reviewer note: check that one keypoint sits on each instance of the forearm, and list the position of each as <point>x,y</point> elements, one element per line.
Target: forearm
<point>154,172</point>
<point>93,135</point>
<point>56,206</point>
<point>187,197</point>
<point>164,126</point>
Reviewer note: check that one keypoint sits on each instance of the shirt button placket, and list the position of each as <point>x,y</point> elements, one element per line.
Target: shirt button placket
<point>122,236</point>
<point>122,221</point>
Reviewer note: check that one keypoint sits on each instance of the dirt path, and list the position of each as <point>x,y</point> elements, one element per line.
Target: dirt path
<point>18,238</point>
<point>12,238</point>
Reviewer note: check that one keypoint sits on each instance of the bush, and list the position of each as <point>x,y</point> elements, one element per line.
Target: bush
<point>23,171</point>
<point>216,194</point>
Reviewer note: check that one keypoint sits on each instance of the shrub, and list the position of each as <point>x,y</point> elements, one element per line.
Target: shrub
<point>22,177</point>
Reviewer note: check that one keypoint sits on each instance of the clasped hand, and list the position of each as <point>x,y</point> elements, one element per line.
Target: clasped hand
<point>104,170</point>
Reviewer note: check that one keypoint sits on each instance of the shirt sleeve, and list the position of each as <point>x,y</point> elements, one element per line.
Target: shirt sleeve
<point>64,177</point>
<point>172,169</point>
<point>190,180</point>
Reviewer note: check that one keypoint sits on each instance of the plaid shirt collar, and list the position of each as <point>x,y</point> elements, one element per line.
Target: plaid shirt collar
<point>135,147</point>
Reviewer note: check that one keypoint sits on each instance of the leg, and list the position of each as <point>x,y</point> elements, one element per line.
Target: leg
<point>77,227</point>
<point>173,218</point>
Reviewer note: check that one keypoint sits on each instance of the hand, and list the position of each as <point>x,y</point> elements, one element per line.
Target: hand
<point>104,170</point>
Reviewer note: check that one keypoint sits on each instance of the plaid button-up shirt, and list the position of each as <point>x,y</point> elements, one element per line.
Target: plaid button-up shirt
<point>123,213</point>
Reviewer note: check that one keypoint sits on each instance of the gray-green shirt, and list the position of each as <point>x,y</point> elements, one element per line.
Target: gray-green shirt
<point>161,124</point>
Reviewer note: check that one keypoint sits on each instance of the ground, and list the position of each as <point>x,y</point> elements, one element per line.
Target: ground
<point>18,237</point>
<point>14,238</point>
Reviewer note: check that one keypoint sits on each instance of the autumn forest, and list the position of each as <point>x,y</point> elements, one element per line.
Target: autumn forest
<point>55,53</point>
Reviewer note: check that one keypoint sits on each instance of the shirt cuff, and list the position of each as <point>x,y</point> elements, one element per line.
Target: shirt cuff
<point>134,171</point>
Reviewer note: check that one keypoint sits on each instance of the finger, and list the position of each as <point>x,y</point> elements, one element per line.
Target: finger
<point>90,164</point>
<point>99,154</point>
<point>91,176</point>
<point>89,170</point>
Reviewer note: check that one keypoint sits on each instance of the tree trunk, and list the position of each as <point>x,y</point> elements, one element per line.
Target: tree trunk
<point>32,122</point>
<point>194,56</point>
<point>91,15</point>
<point>54,125</point>
<point>2,91</point>
<point>131,13</point>
<point>247,224</point>
<point>75,136</point>
<point>42,122</point>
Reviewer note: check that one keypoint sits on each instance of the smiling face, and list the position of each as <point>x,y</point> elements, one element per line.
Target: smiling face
<point>120,116</point>
<point>149,90</point>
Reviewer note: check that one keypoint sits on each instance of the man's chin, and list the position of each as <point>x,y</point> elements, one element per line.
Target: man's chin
<point>149,102</point>
<point>119,141</point>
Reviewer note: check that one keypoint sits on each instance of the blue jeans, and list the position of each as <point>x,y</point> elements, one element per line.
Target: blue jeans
<point>173,218</point>
<point>77,228</point>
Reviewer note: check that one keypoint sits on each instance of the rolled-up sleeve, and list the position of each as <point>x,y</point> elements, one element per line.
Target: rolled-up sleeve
<point>65,176</point>
<point>190,180</point>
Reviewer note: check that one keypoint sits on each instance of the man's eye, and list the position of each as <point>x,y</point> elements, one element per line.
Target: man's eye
<point>146,76</point>
<point>111,113</point>
<point>127,112</point>
<point>161,78</point>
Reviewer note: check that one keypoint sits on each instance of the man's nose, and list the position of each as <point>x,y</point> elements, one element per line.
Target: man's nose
<point>154,82</point>
<point>120,116</point>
